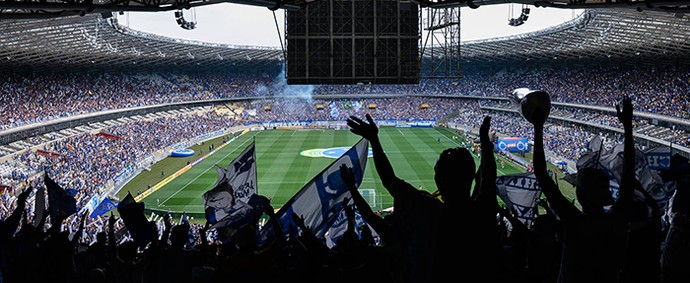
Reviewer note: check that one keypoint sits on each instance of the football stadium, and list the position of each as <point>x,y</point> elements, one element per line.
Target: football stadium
<point>374,144</point>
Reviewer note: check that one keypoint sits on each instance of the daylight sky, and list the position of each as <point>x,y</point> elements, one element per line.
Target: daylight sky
<point>249,25</point>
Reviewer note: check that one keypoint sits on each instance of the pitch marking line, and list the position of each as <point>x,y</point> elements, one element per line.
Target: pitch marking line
<point>202,173</point>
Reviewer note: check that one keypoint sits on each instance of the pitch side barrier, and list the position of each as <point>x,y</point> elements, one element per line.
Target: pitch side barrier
<point>684,151</point>
<point>167,180</point>
<point>550,157</point>
<point>125,176</point>
<point>317,124</point>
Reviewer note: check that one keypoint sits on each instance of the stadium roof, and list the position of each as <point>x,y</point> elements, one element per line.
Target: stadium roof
<point>603,35</point>
<point>95,42</point>
<point>24,9</point>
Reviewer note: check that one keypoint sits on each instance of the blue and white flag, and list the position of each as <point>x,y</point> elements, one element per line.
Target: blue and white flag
<point>658,158</point>
<point>104,207</point>
<point>320,201</point>
<point>595,148</point>
<point>234,187</point>
<point>339,227</point>
<point>520,193</point>
<point>647,164</point>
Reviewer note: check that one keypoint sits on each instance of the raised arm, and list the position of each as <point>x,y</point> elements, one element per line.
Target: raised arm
<point>310,241</point>
<point>112,243</point>
<point>382,227</point>
<point>627,187</point>
<point>166,230</point>
<point>280,239</point>
<point>202,234</point>
<point>487,194</point>
<point>80,231</point>
<point>350,237</point>
<point>561,206</point>
<point>369,131</point>
<point>10,225</point>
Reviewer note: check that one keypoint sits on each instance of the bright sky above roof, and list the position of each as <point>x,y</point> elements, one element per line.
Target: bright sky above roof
<point>249,25</point>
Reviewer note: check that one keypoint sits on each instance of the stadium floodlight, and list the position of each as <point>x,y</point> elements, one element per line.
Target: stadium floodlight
<point>524,15</point>
<point>179,18</point>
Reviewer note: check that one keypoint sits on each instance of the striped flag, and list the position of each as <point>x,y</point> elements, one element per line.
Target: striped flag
<point>520,193</point>
<point>320,201</point>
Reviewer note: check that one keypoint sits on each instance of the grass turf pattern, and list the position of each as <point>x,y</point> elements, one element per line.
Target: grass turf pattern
<point>282,171</point>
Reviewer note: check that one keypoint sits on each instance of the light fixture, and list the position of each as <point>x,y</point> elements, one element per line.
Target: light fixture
<point>179,18</point>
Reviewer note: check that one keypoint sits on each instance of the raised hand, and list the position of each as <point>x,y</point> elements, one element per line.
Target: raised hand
<point>625,115</point>
<point>83,219</point>
<point>111,220</point>
<point>348,209</point>
<point>484,134</point>
<point>206,227</point>
<point>21,198</point>
<point>367,130</point>
<point>348,177</point>
<point>166,221</point>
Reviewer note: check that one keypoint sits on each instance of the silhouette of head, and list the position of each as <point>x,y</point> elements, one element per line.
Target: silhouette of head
<point>100,237</point>
<point>96,275</point>
<point>454,169</point>
<point>245,238</point>
<point>127,251</point>
<point>179,235</point>
<point>592,189</point>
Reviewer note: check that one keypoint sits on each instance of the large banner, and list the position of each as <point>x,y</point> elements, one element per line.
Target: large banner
<point>512,144</point>
<point>320,201</point>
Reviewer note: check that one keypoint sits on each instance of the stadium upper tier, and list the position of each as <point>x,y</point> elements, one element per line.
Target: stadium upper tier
<point>96,43</point>
<point>37,98</point>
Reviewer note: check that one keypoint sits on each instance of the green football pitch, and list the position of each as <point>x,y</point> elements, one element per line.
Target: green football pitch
<point>282,170</point>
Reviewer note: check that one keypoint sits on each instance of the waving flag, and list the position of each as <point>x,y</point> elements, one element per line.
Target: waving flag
<point>520,193</point>
<point>647,164</point>
<point>234,187</point>
<point>61,204</point>
<point>104,207</point>
<point>39,205</point>
<point>132,214</point>
<point>320,201</point>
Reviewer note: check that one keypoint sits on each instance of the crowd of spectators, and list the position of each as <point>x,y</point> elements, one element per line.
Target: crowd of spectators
<point>659,90</point>
<point>84,163</point>
<point>600,240</point>
<point>105,158</point>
